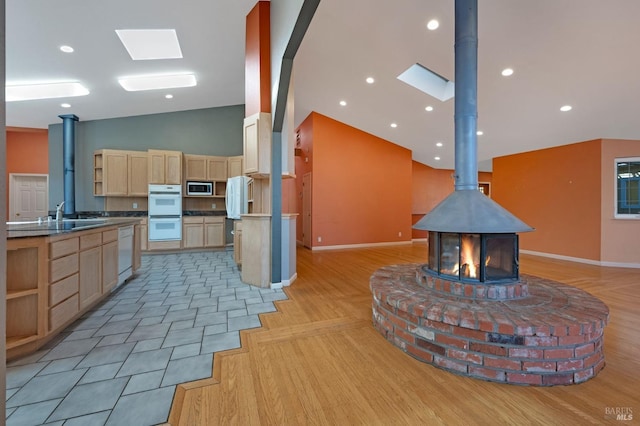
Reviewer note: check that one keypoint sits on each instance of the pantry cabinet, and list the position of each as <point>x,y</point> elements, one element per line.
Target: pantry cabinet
<point>164,167</point>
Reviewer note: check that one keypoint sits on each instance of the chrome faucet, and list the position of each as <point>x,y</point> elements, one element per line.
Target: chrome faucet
<point>59,211</point>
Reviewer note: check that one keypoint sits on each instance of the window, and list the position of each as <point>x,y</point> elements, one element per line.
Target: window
<point>628,187</point>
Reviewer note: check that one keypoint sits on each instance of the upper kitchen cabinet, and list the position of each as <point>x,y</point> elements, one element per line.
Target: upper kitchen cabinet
<point>119,173</point>
<point>234,166</point>
<point>164,167</point>
<point>205,168</point>
<point>257,144</point>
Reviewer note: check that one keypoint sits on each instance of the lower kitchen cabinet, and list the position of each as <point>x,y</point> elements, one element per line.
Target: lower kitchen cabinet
<point>237,242</point>
<point>203,231</point>
<point>90,276</point>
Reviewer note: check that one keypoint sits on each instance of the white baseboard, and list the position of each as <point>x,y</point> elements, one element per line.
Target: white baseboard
<point>581,260</point>
<point>365,245</point>
<point>284,283</point>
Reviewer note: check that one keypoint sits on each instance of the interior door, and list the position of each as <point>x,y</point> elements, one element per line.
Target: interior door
<point>306,210</point>
<point>28,196</point>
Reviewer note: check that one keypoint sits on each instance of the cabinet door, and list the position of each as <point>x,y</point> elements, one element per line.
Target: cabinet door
<point>257,144</point>
<point>144,237</point>
<point>109,266</point>
<point>217,168</point>
<point>173,168</point>
<point>138,174</point>
<point>234,166</point>
<point>193,235</point>
<point>250,145</point>
<point>214,234</point>
<point>115,173</point>
<point>195,167</point>
<point>90,276</point>
<point>156,166</point>
<point>137,247</point>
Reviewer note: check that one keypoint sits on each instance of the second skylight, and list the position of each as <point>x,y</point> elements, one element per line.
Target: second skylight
<point>151,44</point>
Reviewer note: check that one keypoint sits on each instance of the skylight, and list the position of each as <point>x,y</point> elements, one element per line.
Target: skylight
<point>427,81</point>
<point>150,44</point>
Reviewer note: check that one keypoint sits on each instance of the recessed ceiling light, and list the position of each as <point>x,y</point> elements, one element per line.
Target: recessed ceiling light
<point>507,72</point>
<point>152,82</point>
<point>429,108</point>
<point>370,80</point>
<point>65,105</point>
<point>436,158</point>
<point>479,133</point>
<point>427,81</point>
<point>26,92</point>
<point>439,144</point>
<point>343,103</point>
<point>168,96</point>
<point>150,44</point>
<point>66,49</point>
<point>566,108</point>
<point>394,125</point>
<point>433,24</point>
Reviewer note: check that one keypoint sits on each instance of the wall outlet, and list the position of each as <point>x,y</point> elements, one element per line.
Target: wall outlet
<point>319,239</point>
<point>213,205</point>
<point>399,234</point>
<point>135,205</point>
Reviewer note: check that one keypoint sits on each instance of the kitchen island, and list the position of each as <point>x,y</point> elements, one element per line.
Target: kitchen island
<point>57,271</point>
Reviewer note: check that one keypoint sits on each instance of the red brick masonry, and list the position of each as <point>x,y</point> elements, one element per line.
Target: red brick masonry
<point>552,337</point>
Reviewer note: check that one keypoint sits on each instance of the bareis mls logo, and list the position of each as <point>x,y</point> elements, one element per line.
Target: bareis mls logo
<point>618,413</point>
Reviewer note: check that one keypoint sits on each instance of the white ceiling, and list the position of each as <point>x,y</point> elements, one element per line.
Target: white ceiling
<point>578,52</point>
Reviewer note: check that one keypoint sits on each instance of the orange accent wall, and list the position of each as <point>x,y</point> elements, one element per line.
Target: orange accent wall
<point>258,59</point>
<point>558,192</point>
<point>620,237</point>
<point>303,165</point>
<point>27,152</point>
<point>361,185</point>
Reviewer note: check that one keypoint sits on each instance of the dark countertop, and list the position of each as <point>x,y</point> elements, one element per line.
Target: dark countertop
<point>45,229</point>
<point>101,214</point>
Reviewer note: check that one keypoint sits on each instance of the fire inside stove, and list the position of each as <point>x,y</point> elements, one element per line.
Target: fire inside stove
<point>474,257</point>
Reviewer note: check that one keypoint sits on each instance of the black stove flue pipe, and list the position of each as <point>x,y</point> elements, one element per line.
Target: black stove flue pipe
<point>466,95</point>
<point>68,154</point>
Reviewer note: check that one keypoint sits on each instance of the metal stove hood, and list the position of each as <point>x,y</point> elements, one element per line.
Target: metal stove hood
<point>471,212</point>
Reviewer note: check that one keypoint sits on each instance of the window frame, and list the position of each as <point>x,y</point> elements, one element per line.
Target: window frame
<point>616,214</point>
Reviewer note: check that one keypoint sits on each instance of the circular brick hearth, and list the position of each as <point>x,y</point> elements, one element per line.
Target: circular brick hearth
<point>554,336</point>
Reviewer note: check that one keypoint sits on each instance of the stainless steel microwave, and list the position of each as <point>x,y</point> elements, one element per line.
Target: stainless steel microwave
<point>199,188</point>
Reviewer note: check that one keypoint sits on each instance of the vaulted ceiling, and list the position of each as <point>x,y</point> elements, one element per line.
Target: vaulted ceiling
<point>581,53</point>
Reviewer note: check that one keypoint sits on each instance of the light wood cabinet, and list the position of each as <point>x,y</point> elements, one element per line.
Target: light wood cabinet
<point>256,245</point>
<point>137,246</point>
<point>237,242</point>
<point>137,163</point>
<point>192,232</point>
<point>119,173</point>
<point>214,235</point>
<point>164,167</point>
<point>257,144</point>
<point>90,276</point>
<point>203,231</point>
<point>109,260</point>
<point>144,235</point>
<point>205,168</point>
<point>234,166</point>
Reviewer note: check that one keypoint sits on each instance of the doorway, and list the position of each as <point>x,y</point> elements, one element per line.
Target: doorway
<point>28,196</point>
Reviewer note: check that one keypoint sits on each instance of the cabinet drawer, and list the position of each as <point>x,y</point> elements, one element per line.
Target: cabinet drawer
<point>63,312</point>
<point>214,219</point>
<point>63,267</point>
<point>108,236</point>
<point>63,248</point>
<point>63,289</point>
<point>192,219</point>
<point>91,240</point>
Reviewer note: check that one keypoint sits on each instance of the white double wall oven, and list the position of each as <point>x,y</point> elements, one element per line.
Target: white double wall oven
<point>165,212</point>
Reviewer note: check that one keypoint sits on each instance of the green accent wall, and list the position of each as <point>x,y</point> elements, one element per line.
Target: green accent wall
<point>210,131</point>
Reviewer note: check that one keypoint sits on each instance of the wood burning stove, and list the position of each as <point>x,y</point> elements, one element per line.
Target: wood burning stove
<point>473,257</point>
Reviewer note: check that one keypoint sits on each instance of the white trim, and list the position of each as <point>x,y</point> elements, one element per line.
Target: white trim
<point>287,283</point>
<point>581,260</point>
<point>275,286</point>
<point>350,246</point>
<point>419,240</point>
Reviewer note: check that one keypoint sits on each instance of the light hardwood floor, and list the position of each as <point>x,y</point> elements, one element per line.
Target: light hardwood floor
<point>320,361</point>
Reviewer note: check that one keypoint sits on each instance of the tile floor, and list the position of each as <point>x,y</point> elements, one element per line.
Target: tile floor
<point>119,364</point>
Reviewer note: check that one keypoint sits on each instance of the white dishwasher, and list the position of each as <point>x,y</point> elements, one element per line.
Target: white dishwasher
<point>125,252</point>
